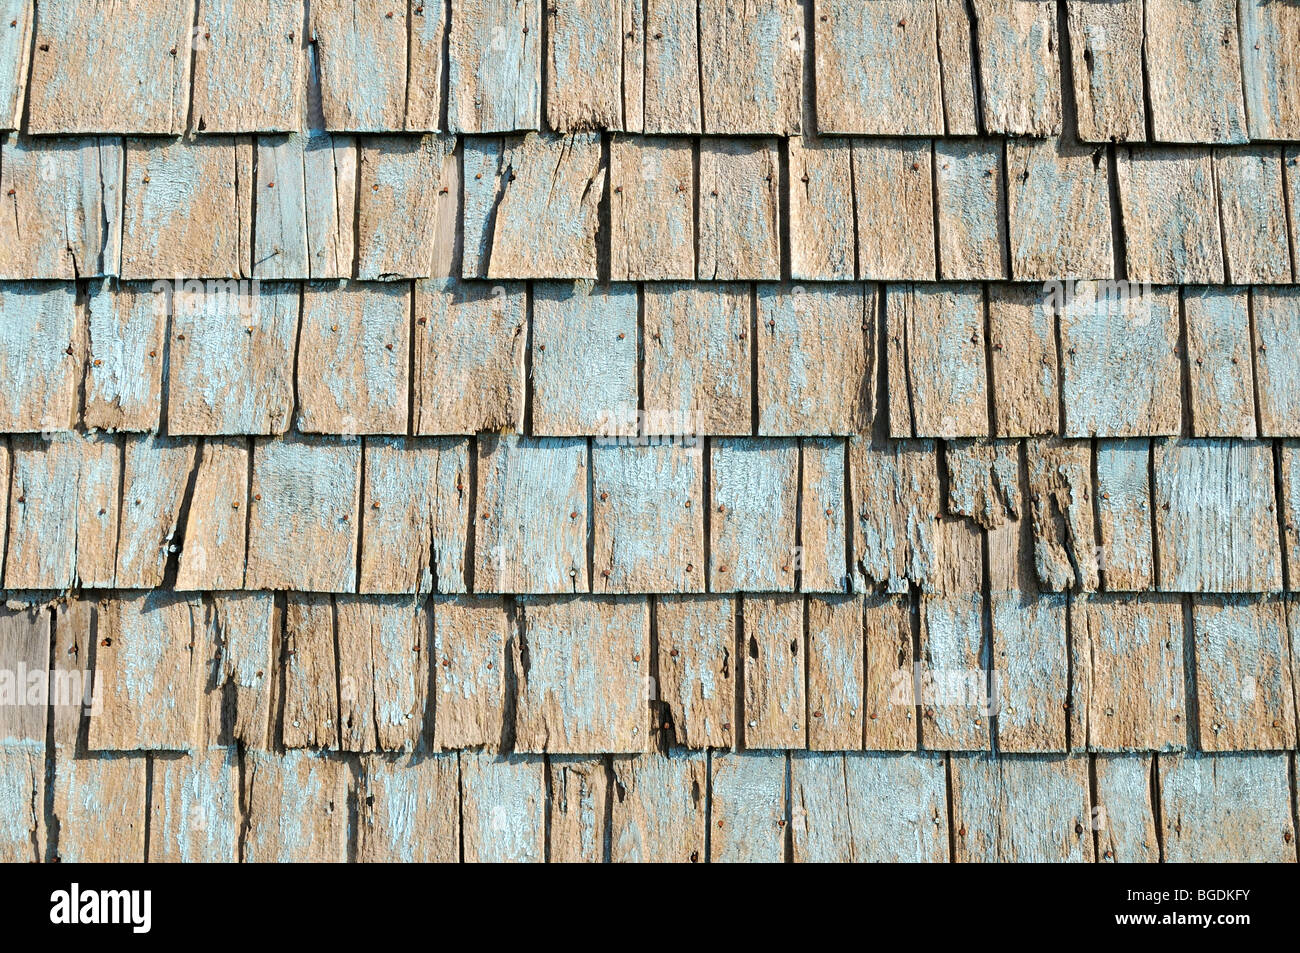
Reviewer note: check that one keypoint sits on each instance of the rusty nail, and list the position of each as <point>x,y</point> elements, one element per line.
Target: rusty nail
<point>673,653</point>
<point>573,515</point>
<point>690,567</point>
<point>374,505</point>
<point>257,496</point>
<point>98,362</point>
<point>604,496</point>
<point>235,505</point>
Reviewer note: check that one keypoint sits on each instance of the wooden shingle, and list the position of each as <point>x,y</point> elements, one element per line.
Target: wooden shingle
<point>22,772</point>
<point>99,801</point>
<point>409,809</point>
<point>383,672</point>
<point>249,65</point>
<point>1171,219</point>
<point>280,243</point>
<point>195,814</point>
<point>1226,808</point>
<point>774,706</point>
<point>584,65</point>
<point>1024,362</point>
<point>1193,46</point>
<point>895,502</point>
<point>494,66</point>
<point>1031,670</point>
<point>1277,366</point>
<point>660,811</point>
<point>1220,382</point>
<point>1270,65</point>
<point>697,665</point>
<point>582,666</point>
<point>1019,66</point>
<point>1058,206</point>
<point>469,671</point>
<point>957,68</point>
<point>1021,809</point>
<point>748,807</point>
<point>984,480</point>
<point>578,792</point>
<point>42,351</point>
<point>155,473</point>
<point>890,624</point>
<point>238,681</point>
<point>753,494</point>
<point>360,53</point>
<point>1288,465</point>
<point>25,645</point>
<point>836,647</point>
<point>307,696</point>
<point>297,808</point>
<point>407,206</point>
<point>894,189</point>
<point>652,208</point>
<point>823,231</point>
<point>751,66</point>
<point>822,556</point>
<point>970,199</point>
<point>1125,820</point>
<point>503,808</point>
<point>1251,202</point>
<point>1060,495</point>
<point>1106,63</point>
<point>330,181</point>
<point>739,224</point>
<point>1124,515</point>
<point>671,85</point>
<point>15,50</point>
<point>124,366</point>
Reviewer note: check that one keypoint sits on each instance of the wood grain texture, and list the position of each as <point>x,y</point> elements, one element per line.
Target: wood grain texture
<point>110,66</point>
<point>63,207</point>
<point>1216,516</point>
<point>753,496</point>
<point>195,814</point>
<point>188,208</point>
<point>958,68</point>
<point>1245,697</point>
<point>1288,470</point>
<point>816,359</point>
<point>155,473</point>
<point>652,208</point>
<point>15,53</point>
<point>494,66</point>
<point>124,367</point>
<point>820,199</point>
<point>671,85</point>
<point>409,809</point>
<point>407,208</point>
<point>1019,66</point>
<point>895,502</point>
<point>984,481</point>
<point>578,795</point>
<point>889,623</point>
<point>584,65</point>
<point>697,643</point>
<point>1226,808</point>
<point>1106,63</point>
<point>1126,829</point>
<point>99,804</point>
<point>503,808</point>
<point>1219,371</point>
<point>1021,810</point>
<point>893,187</point>
<point>970,200</point>
<point>280,241</point>
<point>304,515</point>
<point>330,183</point>
<point>1121,374</point>
<point>307,693</point>
<point>739,210</point>
<point>1031,662</point>
<point>1171,220</point>
<point>877,68</point>
<point>1195,47</point>
<point>1276,313</point>
<point>938,379</point>
<point>42,350</point>
<point>469,659</point>
<point>659,812</point>
<point>1061,505</point>
<point>751,66</point>
<point>1128,690</point>
<point>415,516</point>
<point>531,524</point>
<point>1270,66</point>
<point>1058,207</point>
<point>22,779</point>
<point>836,646</point>
<point>230,357</point>
<point>584,357</point>
<point>868,808</point>
<point>823,535</point>
<point>1024,366</point>
<point>470,341</point>
<point>648,518</point>
<point>1124,515</point>
<point>25,645</point>
<point>383,672</point>
<point>774,705</point>
<point>697,359</point>
<point>249,65</point>
<point>238,679</point>
<point>1251,203</point>
<point>749,807</point>
<point>361,51</point>
<point>297,808</point>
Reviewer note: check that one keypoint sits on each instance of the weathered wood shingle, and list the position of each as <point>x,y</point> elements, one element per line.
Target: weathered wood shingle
<point>652,208</point>
<point>1019,65</point>
<point>249,65</point>
<point>495,66</point>
<point>751,66</point>
<point>1193,46</point>
<point>739,218</point>
<point>753,492</point>
<point>1171,219</point>
<point>1106,63</point>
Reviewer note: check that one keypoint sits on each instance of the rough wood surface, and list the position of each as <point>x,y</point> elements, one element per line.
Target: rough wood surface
<point>195,814</point>
<point>1123,815</point>
<point>1024,363</point>
<point>1288,466</point>
<point>155,473</point>
<point>1216,516</point>
<point>1019,66</point>
<point>15,51</point>
<point>816,359</point>
<point>823,536</point>
<point>406,213</point>
<point>1021,810</point>
<point>99,804</point>
<point>739,210</point>
<point>984,481</point>
<point>1227,808</point>
<point>360,50</point>
<point>938,379</point>
<point>426,66</point>
<point>584,65</point>
<point>652,208</point>
<point>869,808</point>
<point>1124,515</point>
<point>751,66</point>
<point>383,672</point>
<point>25,636</point>
<point>1031,663</point>
<point>330,183</point>
<point>836,689</point>
<point>1270,65</point>
<point>1128,691</point>
<point>1276,313</point>
<point>749,807</point>
<point>469,660</point>
<point>895,502</point>
<point>582,668</point>
<point>238,681</point>
<point>820,200</point>
<point>42,351</point>
<point>494,65</point>
<point>1106,63</point>
<point>888,668</point>
<point>1193,46</point>
<point>753,499</point>
<point>531,524</point>
<point>970,203</point>
<point>249,65</point>
<point>659,812</point>
<point>1171,220</point>
<point>409,809</point>
<point>1219,370</point>
<point>958,68</point>
<point>1061,498</point>
<point>697,642</point>
<point>22,778</point>
<point>648,518</point>
<point>774,705</point>
<point>503,807</point>
<point>671,90</point>
<point>697,359</point>
<point>124,367</point>
<point>893,188</point>
<point>297,808</point>
<point>1251,203</point>
<point>308,696</point>
<point>1058,208</point>
<point>578,791</point>
<point>280,239</point>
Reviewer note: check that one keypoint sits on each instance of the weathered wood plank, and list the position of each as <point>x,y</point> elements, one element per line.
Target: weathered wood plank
<point>22,779</point>
<point>697,640</point>
<point>751,66</point>
<point>895,502</point>
<point>1124,514</point>
<point>407,207</point>
<point>984,481</point>
<point>297,808</point>
<point>1226,808</point>
<point>308,673</point>
<point>361,49</point>
<point>1288,465</point>
<point>1127,692</point>
<point>149,667</point>
<point>1121,374</point>
<point>648,518</point>
<point>1251,200</point>
<point>469,659</point>
<point>652,208</point>
<point>531,524</point>
<point>330,183</point>
<point>124,366</point>
<point>1024,364</point>
<point>584,65</point>
<point>1270,66</point>
<point>239,681</point>
<point>15,50</point>
<point>117,66</point>
<point>1106,61</point>
<point>383,672</point>
<point>659,811</point>
<point>1194,47</point>
<point>836,688</point>
<point>823,537</point>
<point>957,68</point>
<point>230,358</point>
<point>1031,670</point>
<point>427,30</point>
<point>878,68</point>
<point>1216,516</point>
<point>869,808</point>
<point>819,196</point>
<point>1021,810</point>
<point>774,706</point>
<point>753,496</point>
<point>155,473</point>
<point>409,809</point>
<point>302,530</point>
<point>938,380</point>
<point>25,634</point>
<point>893,187</point>
<point>495,66</point>
<point>671,89</point>
<point>1019,66</point>
<point>62,206</point>
<point>195,814</point>
<point>416,515</point>
<point>188,208</point>
<point>696,369</point>
<point>214,537</point>
<point>749,807</point>
<point>99,803</point>
<point>739,210</point>
<point>503,808</point>
<point>970,201</point>
<point>42,353</point>
<point>1058,206</point>
<point>63,511</point>
<point>1277,363</point>
<point>1061,505</point>
<point>280,241</point>
<point>1171,219</point>
<point>249,65</point>
<point>1122,815</point>
<point>582,667</point>
<point>816,359</point>
<point>470,341</point>
<point>579,796</point>
<point>1220,380</point>
<point>1245,698</point>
